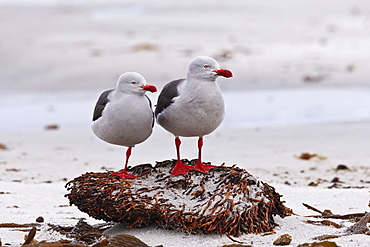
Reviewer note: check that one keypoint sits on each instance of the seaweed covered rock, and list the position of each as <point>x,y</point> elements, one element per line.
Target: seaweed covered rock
<point>227,200</point>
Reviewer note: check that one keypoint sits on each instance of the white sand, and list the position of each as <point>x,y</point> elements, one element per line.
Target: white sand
<point>58,56</point>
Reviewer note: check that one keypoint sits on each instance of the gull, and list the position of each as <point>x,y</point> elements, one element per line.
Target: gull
<point>193,107</point>
<point>123,116</point>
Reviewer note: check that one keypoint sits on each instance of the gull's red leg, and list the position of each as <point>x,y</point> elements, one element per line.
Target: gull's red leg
<point>200,145</point>
<point>124,173</point>
<point>199,166</point>
<point>180,168</point>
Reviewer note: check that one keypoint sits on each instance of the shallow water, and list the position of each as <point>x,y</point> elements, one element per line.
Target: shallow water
<point>297,106</point>
<point>256,108</point>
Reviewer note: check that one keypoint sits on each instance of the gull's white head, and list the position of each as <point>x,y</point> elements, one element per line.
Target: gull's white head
<point>206,68</point>
<point>134,83</point>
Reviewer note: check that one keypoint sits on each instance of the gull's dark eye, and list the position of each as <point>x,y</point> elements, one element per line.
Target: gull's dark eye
<point>133,82</point>
<point>206,66</point>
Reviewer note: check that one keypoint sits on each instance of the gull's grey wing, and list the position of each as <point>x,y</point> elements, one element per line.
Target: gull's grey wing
<point>100,104</point>
<point>166,96</point>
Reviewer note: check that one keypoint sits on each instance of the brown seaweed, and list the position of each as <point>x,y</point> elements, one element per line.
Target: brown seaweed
<point>360,227</point>
<point>227,200</point>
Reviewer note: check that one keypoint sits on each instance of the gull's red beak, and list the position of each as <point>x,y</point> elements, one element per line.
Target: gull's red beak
<point>149,88</point>
<point>224,72</point>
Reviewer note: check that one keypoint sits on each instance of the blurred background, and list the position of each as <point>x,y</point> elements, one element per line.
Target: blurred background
<point>293,61</point>
<point>301,84</point>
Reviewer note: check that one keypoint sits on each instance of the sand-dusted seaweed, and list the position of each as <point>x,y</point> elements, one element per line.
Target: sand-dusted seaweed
<point>227,200</point>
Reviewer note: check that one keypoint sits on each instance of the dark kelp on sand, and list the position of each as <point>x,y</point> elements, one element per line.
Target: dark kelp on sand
<point>227,200</point>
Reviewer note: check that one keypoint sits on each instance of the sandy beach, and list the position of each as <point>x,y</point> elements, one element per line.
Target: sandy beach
<point>300,85</point>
